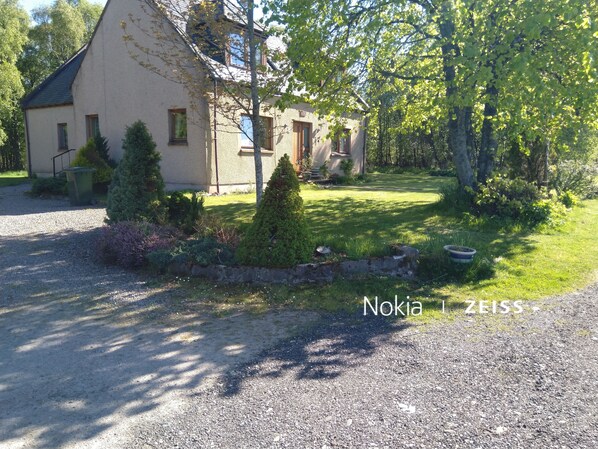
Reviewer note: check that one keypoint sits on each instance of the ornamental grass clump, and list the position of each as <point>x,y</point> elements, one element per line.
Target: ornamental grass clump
<point>279,235</point>
<point>137,189</point>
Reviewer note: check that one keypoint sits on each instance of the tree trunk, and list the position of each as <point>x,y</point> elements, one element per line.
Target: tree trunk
<point>255,104</point>
<point>457,139</point>
<point>489,144</point>
<point>380,155</point>
<point>459,117</point>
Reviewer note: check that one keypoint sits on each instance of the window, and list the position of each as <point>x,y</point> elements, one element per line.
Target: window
<point>238,52</point>
<point>259,56</point>
<point>177,124</point>
<point>342,144</point>
<point>247,133</point>
<point>92,124</point>
<point>63,137</point>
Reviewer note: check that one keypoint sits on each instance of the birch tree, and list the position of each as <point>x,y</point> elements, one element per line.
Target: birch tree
<point>519,66</point>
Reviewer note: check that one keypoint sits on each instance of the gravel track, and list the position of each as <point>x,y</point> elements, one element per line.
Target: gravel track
<point>81,366</point>
<point>527,381</point>
<point>88,351</point>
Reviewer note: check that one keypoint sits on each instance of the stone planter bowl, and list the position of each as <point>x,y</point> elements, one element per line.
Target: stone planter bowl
<point>460,254</point>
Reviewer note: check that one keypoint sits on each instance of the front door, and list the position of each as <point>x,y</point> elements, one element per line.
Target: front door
<point>301,143</point>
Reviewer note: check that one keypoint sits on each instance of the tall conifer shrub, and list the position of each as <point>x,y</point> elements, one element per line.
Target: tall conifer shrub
<point>279,234</point>
<point>137,189</point>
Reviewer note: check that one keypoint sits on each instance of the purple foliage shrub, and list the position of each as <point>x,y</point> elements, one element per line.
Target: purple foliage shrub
<point>127,243</point>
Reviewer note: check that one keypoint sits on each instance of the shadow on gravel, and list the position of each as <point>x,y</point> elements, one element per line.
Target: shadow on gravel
<point>332,347</point>
<point>84,347</point>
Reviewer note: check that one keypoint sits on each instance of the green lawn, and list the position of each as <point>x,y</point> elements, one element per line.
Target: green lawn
<point>363,220</point>
<point>13,178</point>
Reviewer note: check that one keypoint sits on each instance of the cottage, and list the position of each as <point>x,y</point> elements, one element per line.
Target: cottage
<point>101,89</point>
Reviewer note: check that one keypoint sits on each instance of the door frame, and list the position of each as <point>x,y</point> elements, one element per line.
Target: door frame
<point>299,142</point>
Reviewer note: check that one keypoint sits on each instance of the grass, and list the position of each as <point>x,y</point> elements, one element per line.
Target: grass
<point>13,178</point>
<point>363,220</point>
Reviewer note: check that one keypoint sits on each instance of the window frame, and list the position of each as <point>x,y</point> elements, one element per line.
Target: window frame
<point>245,57</point>
<point>88,125</point>
<point>63,137</point>
<point>229,52</point>
<point>346,148</point>
<point>268,138</point>
<point>172,138</point>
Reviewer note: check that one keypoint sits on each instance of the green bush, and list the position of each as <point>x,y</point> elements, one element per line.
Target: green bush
<point>506,198</point>
<point>568,199</point>
<point>324,170</point>
<point>183,212</point>
<point>576,177</point>
<point>446,172</point>
<point>137,189</point>
<point>517,201</point>
<point>454,198</point>
<point>278,235</point>
<point>88,156</point>
<point>49,186</point>
<point>103,149</point>
<point>347,166</point>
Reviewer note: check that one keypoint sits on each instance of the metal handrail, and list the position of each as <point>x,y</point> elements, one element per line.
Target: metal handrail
<point>61,161</point>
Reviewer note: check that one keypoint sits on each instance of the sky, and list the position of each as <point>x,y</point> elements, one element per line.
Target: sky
<point>31,4</point>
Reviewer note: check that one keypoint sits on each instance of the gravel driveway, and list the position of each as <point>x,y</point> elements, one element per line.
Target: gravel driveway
<point>80,366</point>
<point>87,351</point>
<point>528,381</point>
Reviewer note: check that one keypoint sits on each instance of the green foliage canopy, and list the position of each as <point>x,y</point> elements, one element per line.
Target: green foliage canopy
<point>60,30</point>
<point>13,36</point>
<point>521,66</point>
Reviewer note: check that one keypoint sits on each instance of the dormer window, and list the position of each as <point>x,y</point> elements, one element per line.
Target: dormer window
<point>238,52</point>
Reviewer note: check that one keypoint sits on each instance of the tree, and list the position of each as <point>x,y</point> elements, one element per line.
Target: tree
<point>279,235</point>
<point>13,36</point>
<point>137,189</point>
<point>60,30</point>
<point>518,66</point>
<point>219,32</point>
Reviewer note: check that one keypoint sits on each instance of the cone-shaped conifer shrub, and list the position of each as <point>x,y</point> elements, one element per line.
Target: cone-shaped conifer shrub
<point>137,189</point>
<point>279,235</point>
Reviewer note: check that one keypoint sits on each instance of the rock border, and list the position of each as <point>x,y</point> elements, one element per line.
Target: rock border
<point>402,265</point>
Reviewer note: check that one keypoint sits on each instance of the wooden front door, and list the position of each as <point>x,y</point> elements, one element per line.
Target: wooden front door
<point>301,142</point>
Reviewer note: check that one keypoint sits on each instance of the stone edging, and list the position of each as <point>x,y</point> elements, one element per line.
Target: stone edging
<point>402,265</point>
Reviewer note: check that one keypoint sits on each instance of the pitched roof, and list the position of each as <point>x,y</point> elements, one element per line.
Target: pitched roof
<point>56,89</point>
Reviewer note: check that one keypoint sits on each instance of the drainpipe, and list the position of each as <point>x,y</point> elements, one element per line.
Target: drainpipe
<point>28,143</point>
<point>366,124</point>
<point>216,136</point>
